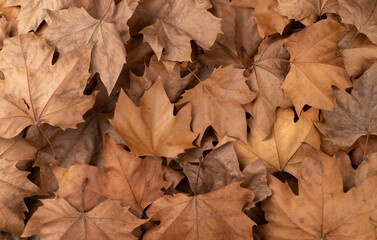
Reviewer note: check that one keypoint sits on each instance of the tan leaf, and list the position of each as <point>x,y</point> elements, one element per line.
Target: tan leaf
<point>314,66</point>
<point>33,12</point>
<point>178,24</point>
<point>239,41</point>
<point>217,102</point>
<point>321,210</point>
<point>71,181</point>
<point>364,18</point>
<point>358,53</point>
<point>266,79</point>
<point>266,15</point>
<point>354,177</point>
<point>56,219</point>
<point>10,13</point>
<point>220,168</point>
<point>5,27</point>
<point>287,137</point>
<point>214,215</point>
<point>74,27</point>
<point>36,92</point>
<point>192,155</point>
<point>354,115</point>
<point>135,181</point>
<point>83,144</point>
<point>173,84</point>
<point>172,176</point>
<point>15,186</point>
<point>119,14</point>
<point>152,129</point>
<point>300,9</point>
<point>18,149</point>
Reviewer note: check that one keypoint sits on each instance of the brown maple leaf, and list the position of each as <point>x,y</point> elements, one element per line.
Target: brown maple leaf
<point>314,66</point>
<point>173,83</point>
<point>220,167</point>
<point>364,18</point>
<point>109,53</point>
<point>152,129</point>
<point>35,91</point>
<point>354,115</point>
<point>5,27</point>
<point>358,53</point>
<point>33,12</point>
<point>57,219</point>
<point>19,150</point>
<point>321,210</point>
<point>355,177</point>
<point>266,79</point>
<point>311,9</point>
<point>214,215</point>
<point>135,181</point>
<point>287,136</point>
<point>83,144</point>
<point>266,15</point>
<point>71,181</point>
<point>15,186</point>
<point>217,102</point>
<point>239,41</point>
<point>177,24</point>
<point>120,12</point>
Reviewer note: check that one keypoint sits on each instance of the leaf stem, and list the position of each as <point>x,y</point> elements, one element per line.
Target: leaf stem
<point>365,148</point>
<point>47,140</point>
<point>347,45</point>
<point>197,175</point>
<point>82,194</point>
<point>154,172</point>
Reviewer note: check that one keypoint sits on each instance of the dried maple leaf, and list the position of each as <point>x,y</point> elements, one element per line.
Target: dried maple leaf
<point>217,102</point>
<point>358,53</point>
<point>35,91</point>
<point>286,139</point>
<point>4,30</point>
<point>177,24</point>
<point>74,27</point>
<point>10,13</point>
<point>364,18</point>
<point>239,41</point>
<point>192,155</point>
<point>301,9</point>
<point>266,15</point>
<point>173,84</point>
<point>56,219</point>
<point>137,182</point>
<point>266,78</point>
<point>354,115</point>
<point>354,177</point>
<point>19,150</point>
<point>221,167</point>
<point>321,210</point>
<point>218,169</point>
<point>83,144</point>
<point>214,215</point>
<point>107,9</point>
<point>152,129</point>
<point>71,182</point>
<point>15,186</point>
<point>314,66</point>
<point>33,12</point>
